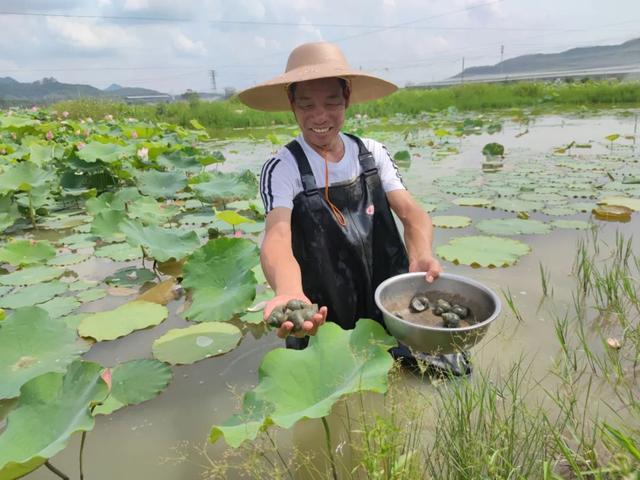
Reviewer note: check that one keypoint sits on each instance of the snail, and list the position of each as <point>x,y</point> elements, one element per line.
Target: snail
<point>295,311</point>
<point>419,303</point>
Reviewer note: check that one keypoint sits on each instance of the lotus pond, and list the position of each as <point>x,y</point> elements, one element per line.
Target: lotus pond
<point>132,345</point>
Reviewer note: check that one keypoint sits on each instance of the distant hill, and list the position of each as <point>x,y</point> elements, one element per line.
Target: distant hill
<point>625,54</point>
<point>49,90</point>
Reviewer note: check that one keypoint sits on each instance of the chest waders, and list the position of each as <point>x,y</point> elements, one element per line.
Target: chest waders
<point>343,265</point>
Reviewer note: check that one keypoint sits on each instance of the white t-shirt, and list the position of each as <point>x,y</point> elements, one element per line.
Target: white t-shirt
<point>280,178</point>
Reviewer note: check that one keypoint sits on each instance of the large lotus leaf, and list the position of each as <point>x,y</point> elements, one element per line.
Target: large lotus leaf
<point>483,251</point>
<point>227,187</point>
<point>122,320</point>
<point>79,240</point>
<point>60,306</point>
<point>450,221</point>
<point>512,226</point>
<point>24,176</point>
<point>25,252</point>
<point>50,409</point>
<point>560,210</point>
<point>31,275</point>
<point>233,218</point>
<point>336,363</point>
<point>107,152</point>
<point>571,224</point>
<point>69,259</point>
<point>472,202</point>
<point>43,153</point>
<point>14,122</point>
<point>31,344</point>
<point>91,295</point>
<point>107,225</point>
<point>120,252</point>
<point>196,342</point>
<point>632,203</point>
<point>112,201</point>
<point>255,313</point>
<point>149,211</point>
<point>516,205</point>
<point>161,184</point>
<point>180,161</point>
<point>8,212</point>
<point>135,382</point>
<point>160,243</point>
<point>130,277</point>
<point>220,277</point>
<point>33,295</point>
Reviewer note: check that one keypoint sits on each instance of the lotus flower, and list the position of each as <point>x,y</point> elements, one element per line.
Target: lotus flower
<point>80,145</point>
<point>143,153</point>
<point>65,114</point>
<point>49,135</point>
<point>108,117</point>
<point>106,376</point>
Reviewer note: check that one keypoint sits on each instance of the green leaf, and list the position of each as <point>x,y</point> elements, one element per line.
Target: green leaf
<point>149,211</point>
<point>450,221</point>
<point>122,320</point>
<point>493,149</point>
<point>613,137</point>
<point>32,344</point>
<point>481,251</point>
<point>31,275</point>
<point>232,218</point>
<point>120,252</point>
<point>516,205</point>
<point>160,243</point>
<point>161,184</point>
<point>220,277</point>
<point>512,226</point>
<point>33,295</point>
<point>402,155</point>
<point>107,225</point>
<point>26,252</point>
<point>69,259</point>
<point>24,176</point>
<point>336,363</point>
<point>130,277</point>
<point>91,295</point>
<point>135,382</point>
<point>632,203</point>
<point>107,152</point>
<point>196,342</point>
<point>227,187</point>
<point>60,306</point>
<point>571,224</point>
<point>472,202</point>
<point>50,409</point>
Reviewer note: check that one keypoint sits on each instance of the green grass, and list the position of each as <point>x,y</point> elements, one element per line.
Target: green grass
<point>230,114</point>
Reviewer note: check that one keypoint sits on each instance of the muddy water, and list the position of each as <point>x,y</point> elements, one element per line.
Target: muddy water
<point>138,442</point>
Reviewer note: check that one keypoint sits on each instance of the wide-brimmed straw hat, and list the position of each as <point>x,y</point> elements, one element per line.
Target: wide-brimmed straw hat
<point>312,61</point>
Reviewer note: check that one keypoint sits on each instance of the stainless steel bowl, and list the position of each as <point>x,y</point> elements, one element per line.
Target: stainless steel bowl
<point>396,291</point>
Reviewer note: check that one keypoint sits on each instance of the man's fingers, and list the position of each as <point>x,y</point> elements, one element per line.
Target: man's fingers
<point>285,329</point>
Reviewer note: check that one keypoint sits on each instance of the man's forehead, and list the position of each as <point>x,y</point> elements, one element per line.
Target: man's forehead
<point>329,85</point>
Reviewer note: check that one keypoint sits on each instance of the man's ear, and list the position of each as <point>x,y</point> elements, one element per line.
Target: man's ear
<point>347,95</point>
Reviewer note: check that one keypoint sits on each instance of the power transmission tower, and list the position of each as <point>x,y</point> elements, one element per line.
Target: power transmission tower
<point>213,80</point>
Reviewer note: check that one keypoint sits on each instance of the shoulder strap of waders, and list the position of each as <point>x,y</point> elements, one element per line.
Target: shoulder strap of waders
<point>367,162</point>
<point>306,174</point>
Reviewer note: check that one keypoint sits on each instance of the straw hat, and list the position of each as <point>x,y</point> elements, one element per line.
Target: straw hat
<point>311,61</point>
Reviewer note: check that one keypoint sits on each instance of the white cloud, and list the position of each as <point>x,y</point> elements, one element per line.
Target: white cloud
<point>88,36</point>
<point>136,5</point>
<point>307,27</point>
<point>185,45</point>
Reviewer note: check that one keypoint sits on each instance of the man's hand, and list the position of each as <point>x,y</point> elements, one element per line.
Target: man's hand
<point>426,263</point>
<point>309,327</point>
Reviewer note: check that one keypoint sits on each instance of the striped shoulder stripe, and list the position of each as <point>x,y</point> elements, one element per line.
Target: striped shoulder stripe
<point>263,176</point>
<point>269,192</point>
<point>395,167</point>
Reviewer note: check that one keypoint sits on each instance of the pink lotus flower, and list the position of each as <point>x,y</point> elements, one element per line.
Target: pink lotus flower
<point>49,135</point>
<point>80,145</point>
<point>34,109</point>
<point>134,134</point>
<point>106,376</point>
<point>65,114</point>
<point>237,233</point>
<point>143,153</point>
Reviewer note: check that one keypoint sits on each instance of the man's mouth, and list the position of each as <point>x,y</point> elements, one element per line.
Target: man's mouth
<point>320,130</point>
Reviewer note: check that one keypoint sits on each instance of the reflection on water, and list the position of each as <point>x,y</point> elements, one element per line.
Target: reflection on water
<point>131,443</point>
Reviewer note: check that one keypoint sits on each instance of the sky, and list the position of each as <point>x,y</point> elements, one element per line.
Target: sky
<point>173,45</point>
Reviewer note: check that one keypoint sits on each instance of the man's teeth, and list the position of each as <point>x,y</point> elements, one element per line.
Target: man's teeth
<point>320,130</point>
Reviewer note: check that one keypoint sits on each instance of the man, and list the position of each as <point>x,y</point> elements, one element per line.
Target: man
<point>330,237</point>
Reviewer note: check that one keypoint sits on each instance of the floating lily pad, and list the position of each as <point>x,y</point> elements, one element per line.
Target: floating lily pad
<point>31,275</point>
<point>82,284</point>
<point>122,320</point>
<point>69,259</point>
<point>220,277</point>
<point>472,202</point>
<point>512,226</point>
<point>196,342</point>
<point>120,252</point>
<point>560,211</point>
<point>135,382</point>
<point>483,251</point>
<point>60,306</point>
<point>79,240</point>
<point>613,213</point>
<point>26,252</point>
<point>571,224</point>
<point>31,344</point>
<point>227,187</point>
<point>130,277</point>
<point>451,221</point>
<point>150,212</point>
<point>55,406</point>
<point>516,205</point>
<point>161,293</point>
<point>632,203</point>
<point>91,295</point>
<point>336,363</point>
<point>33,295</point>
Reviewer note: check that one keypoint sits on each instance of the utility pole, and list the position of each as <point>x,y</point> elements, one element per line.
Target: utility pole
<point>501,60</point>
<point>213,80</point>
<point>462,72</point>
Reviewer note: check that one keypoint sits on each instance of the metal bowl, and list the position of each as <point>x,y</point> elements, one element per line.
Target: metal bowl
<point>397,291</point>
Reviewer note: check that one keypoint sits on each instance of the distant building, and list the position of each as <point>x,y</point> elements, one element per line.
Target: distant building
<point>160,98</point>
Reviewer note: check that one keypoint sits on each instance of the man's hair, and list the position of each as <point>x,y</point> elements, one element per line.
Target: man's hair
<point>344,84</point>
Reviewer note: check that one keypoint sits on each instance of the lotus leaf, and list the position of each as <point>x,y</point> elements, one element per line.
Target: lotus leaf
<point>31,344</point>
<point>161,184</point>
<point>107,152</point>
<point>512,226</point>
<point>24,176</point>
<point>31,275</point>
<point>472,202</point>
<point>120,252</point>
<point>135,382</point>
<point>33,295</point>
<point>149,211</point>
<point>26,252</point>
<point>130,277</point>
<point>571,224</point>
<point>483,251</point>
<point>196,342</point>
<point>632,203</point>
<point>516,205</point>
<point>60,306</point>
<point>81,285</point>
<point>55,405</point>
<point>107,225</point>
<point>69,259</point>
<point>160,243</point>
<point>8,212</point>
<point>451,221</point>
<point>336,363</point>
<point>91,295</point>
<point>161,293</point>
<point>79,240</point>
<point>227,187</point>
<point>560,210</point>
<point>122,320</point>
<point>255,313</point>
<point>232,218</point>
<point>220,277</point>
<point>614,213</point>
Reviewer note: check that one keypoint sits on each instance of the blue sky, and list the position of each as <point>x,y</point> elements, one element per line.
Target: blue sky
<point>173,45</point>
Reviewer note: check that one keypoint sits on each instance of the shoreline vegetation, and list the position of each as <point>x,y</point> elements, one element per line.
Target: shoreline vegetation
<point>537,98</point>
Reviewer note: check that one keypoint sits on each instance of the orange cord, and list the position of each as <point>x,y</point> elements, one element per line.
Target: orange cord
<point>336,211</point>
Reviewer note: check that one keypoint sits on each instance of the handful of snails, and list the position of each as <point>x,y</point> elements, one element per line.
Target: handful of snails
<point>295,311</point>
<point>450,314</point>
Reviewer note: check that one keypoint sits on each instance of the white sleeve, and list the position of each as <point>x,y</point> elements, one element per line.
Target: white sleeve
<point>387,169</point>
<point>277,184</point>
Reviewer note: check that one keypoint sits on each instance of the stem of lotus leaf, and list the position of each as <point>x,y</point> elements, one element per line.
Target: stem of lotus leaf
<point>327,435</point>
<point>82,441</point>
<point>55,470</point>
<point>32,215</point>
